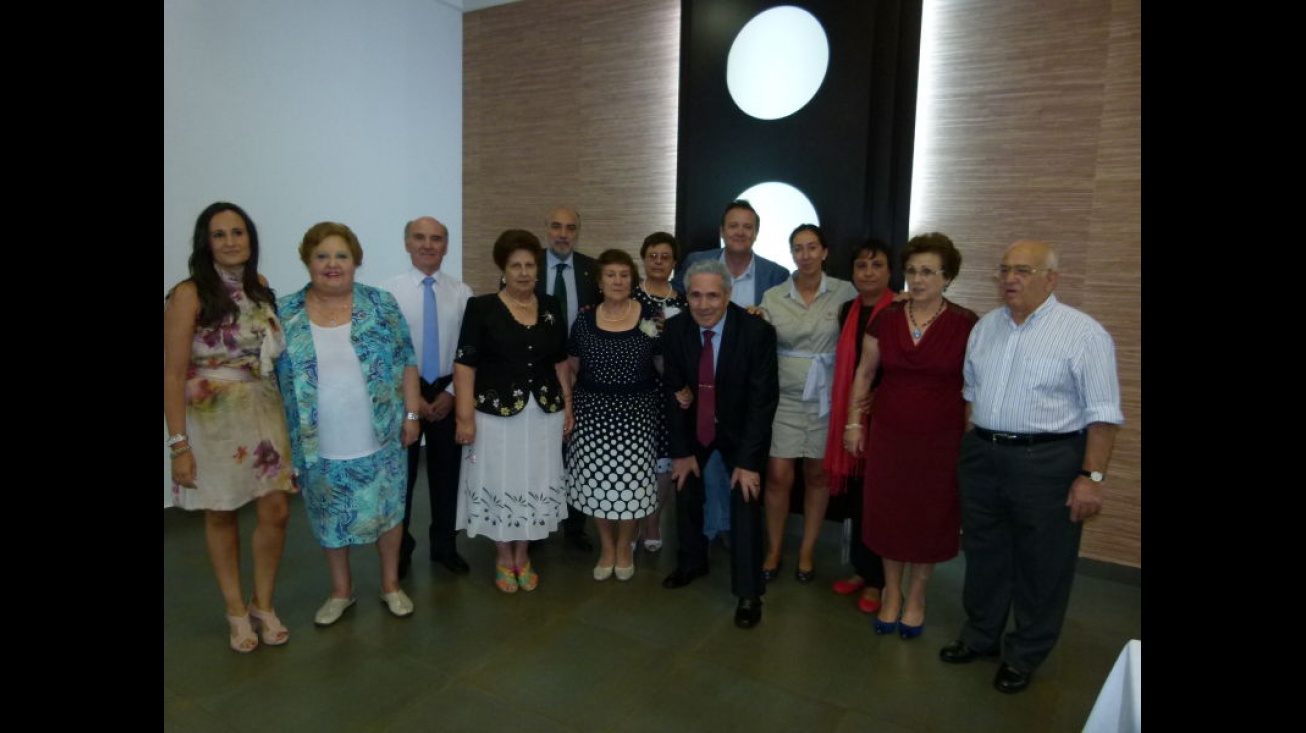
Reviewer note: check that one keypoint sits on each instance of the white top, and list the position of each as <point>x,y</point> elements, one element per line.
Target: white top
<point>451,296</point>
<point>344,408</point>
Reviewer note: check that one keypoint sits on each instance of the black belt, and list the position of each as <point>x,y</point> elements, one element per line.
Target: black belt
<point>1022,438</point>
<point>431,390</point>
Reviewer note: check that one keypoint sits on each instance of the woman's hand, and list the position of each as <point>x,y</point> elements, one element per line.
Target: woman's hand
<point>411,432</point>
<point>568,421</point>
<point>183,470</point>
<point>464,432</point>
<point>853,438</point>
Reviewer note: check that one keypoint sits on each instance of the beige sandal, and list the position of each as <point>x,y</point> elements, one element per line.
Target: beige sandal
<point>243,639</point>
<point>274,632</point>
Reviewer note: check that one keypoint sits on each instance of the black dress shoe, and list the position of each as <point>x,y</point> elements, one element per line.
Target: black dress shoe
<point>453,561</point>
<point>958,653</point>
<point>1010,680</point>
<point>748,613</point>
<point>683,577</point>
<point>580,541</point>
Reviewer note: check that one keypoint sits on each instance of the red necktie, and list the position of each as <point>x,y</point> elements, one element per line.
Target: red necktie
<point>706,393</point>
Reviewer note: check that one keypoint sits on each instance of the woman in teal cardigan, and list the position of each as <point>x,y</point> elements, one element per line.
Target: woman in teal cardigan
<point>350,385</point>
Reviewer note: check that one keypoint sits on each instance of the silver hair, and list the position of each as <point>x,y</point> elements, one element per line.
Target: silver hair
<point>711,266</point>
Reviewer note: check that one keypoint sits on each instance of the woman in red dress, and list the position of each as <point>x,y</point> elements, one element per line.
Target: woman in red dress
<point>912,511</point>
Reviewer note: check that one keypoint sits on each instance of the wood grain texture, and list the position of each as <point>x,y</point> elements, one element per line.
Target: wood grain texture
<point>569,102</point>
<point>1036,134</point>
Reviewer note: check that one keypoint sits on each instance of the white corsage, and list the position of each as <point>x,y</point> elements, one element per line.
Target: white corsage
<point>649,328</point>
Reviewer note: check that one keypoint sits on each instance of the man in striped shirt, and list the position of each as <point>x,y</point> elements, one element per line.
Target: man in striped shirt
<point>1043,407</point>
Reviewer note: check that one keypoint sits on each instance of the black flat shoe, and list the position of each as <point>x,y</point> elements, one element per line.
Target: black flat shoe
<point>804,576</point>
<point>958,653</point>
<point>770,574</point>
<point>683,577</point>
<point>748,613</point>
<point>1010,680</point>
<point>453,561</point>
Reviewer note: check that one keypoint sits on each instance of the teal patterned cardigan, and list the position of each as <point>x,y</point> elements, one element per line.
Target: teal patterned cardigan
<point>384,348</point>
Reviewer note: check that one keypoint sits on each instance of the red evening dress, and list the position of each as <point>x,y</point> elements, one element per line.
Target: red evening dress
<point>912,511</point>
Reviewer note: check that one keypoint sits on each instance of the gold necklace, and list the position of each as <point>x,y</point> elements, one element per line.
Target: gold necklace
<point>619,318</point>
<point>330,312</point>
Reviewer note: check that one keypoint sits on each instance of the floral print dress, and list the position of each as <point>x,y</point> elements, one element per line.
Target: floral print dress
<point>234,414</point>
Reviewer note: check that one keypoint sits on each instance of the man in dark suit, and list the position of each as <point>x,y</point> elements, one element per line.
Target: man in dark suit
<point>723,361</point>
<point>751,275</point>
<point>573,279</point>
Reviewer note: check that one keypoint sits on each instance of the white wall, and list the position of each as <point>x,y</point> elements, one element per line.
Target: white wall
<point>301,111</point>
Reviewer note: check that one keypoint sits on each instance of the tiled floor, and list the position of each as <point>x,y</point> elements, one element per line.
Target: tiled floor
<point>576,655</point>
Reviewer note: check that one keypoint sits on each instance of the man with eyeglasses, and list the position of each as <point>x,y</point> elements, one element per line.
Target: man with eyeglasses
<point>1042,408</point>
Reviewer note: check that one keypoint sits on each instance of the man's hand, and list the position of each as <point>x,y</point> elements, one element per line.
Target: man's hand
<point>438,408</point>
<point>749,482</point>
<point>681,468</point>
<point>1085,500</point>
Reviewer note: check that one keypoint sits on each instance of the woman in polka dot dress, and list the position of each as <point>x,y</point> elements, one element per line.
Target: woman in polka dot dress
<point>613,351</point>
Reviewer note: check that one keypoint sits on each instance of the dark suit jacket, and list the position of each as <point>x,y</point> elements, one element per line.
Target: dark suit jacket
<point>747,387</point>
<point>587,283</point>
<point>768,273</point>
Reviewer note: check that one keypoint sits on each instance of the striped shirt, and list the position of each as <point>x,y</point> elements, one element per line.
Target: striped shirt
<point>1055,373</point>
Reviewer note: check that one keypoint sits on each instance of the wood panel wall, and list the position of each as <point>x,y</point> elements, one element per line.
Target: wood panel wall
<point>1035,132</point>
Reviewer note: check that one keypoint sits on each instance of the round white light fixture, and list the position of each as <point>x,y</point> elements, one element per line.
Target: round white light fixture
<point>781,208</point>
<point>777,62</point>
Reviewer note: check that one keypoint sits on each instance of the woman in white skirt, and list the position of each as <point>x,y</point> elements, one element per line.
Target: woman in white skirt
<point>513,408</point>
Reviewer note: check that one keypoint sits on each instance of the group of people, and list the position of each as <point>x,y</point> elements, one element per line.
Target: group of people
<point>585,391</point>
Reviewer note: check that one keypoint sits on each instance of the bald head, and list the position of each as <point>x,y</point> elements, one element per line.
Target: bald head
<point>1027,277</point>
<point>427,242</point>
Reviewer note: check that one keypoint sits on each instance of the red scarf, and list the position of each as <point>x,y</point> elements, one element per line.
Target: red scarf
<point>839,463</point>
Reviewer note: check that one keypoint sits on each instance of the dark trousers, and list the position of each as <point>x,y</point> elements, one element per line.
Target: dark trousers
<point>746,530</point>
<point>443,458</point>
<point>865,561</point>
<point>1021,547</point>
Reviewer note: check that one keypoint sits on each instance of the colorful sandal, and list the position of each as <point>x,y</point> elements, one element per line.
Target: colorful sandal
<point>505,579</point>
<point>273,632</point>
<point>528,578</point>
<point>243,639</point>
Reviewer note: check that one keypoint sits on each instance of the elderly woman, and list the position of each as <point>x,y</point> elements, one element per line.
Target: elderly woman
<point>912,512</point>
<point>660,252</point>
<point>612,349</point>
<point>871,275</point>
<point>512,392</point>
<point>804,312</point>
<point>224,414</point>
<point>352,393</point>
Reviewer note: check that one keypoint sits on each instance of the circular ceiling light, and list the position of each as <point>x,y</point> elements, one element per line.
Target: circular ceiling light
<point>777,62</point>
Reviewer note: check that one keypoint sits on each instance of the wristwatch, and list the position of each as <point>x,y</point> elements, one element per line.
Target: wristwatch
<point>1096,477</point>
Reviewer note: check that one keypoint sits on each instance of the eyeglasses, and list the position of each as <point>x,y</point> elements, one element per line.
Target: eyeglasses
<point>1021,271</point>
<point>924,272</point>
<point>658,256</point>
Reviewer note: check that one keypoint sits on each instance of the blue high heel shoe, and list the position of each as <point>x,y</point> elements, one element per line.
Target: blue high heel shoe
<point>909,632</point>
<point>882,627</point>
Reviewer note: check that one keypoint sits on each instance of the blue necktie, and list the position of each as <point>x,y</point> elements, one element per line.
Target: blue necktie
<point>431,332</point>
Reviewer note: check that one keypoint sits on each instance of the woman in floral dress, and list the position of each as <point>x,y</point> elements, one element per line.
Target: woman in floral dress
<point>227,431</point>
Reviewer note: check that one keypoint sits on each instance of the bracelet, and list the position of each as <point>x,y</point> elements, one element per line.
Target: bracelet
<point>412,416</point>
<point>178,453</point>
<point>850,426</point>
<point>178,438</point>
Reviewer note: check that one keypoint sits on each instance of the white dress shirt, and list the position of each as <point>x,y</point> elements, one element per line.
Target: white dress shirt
<point>451,296</point>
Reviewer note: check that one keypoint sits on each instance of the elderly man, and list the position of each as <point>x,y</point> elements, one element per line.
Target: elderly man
<point>433,302</point>
<point>726,359</point>
<point>751,275</point>
<point>572,278</point>
<point>1043,407</point>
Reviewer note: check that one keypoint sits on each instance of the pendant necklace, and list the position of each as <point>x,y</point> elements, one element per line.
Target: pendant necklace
<point>918,331</point>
